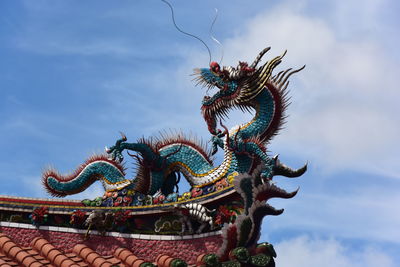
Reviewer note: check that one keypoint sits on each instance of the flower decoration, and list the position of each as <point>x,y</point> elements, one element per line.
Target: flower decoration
<point>77,218</point>
<point>39,216</point>
<point>121,218</point>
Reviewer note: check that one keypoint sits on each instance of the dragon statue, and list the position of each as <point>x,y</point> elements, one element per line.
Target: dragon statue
<point>246,167</point>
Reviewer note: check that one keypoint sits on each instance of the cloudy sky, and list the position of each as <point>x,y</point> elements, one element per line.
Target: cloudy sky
<point>74,73</point>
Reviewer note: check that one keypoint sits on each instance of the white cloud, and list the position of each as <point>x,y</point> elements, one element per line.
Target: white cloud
<point>343,119</point>
<point>344,105</point>
<point>314,252</point>
<point>366,213</point>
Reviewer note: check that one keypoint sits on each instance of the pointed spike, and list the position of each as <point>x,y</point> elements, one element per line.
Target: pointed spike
<point>277,212</point>
<point>283,75</point>
<point>285,86</point>
<point>281,169</point>
<point>284,53</point>
<point>258,58</point>
<point>276,77</point>
<point>293,72</point>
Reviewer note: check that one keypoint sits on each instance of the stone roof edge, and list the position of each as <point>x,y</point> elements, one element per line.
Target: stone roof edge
<point>42,199</point>
<point>113,234</point>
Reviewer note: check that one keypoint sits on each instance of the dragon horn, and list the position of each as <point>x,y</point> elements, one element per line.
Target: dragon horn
<point>123,136</point>
<point>258,58</point>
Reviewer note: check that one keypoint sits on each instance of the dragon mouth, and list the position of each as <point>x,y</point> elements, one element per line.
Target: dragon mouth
<point>206,78</point>
<point>219,111</point>
<point>217,106</point>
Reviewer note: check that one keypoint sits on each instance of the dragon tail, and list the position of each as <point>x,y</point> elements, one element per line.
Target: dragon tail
<point>98,167</point>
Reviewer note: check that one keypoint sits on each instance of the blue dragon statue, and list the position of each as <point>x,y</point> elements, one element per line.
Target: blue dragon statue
<point>161,159</point>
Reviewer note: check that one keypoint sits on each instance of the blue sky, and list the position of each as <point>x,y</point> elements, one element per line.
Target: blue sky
<point>74,73</point>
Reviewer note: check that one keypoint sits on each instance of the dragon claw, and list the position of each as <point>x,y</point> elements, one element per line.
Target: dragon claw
<point>214,150</point>
<point>216,142</point>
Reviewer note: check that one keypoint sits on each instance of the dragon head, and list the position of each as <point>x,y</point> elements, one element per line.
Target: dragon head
<point>237,87</point>
<point>218,104</point>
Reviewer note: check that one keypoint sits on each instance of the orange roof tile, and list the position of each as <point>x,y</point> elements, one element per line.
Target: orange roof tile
<point>16,253</point>
<point>55,256</point>
<point>125,256</point>
<point>5,261</point>
<point>164,260</point>
<point>90,256</point>
<point>76,259</point>
<point>42,253</point>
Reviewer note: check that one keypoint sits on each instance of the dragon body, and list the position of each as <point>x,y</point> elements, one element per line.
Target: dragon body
<point>160,160</point>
